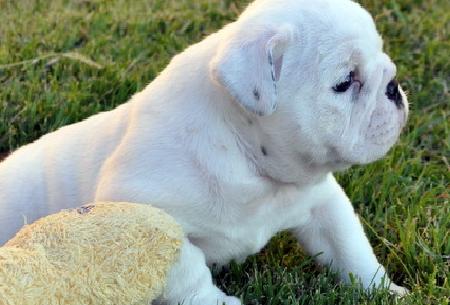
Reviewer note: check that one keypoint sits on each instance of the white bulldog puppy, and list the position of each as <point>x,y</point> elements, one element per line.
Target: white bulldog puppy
<point>237,139</point>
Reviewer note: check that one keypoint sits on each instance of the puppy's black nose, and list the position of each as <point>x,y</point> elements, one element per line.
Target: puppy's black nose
<point>393,93</point>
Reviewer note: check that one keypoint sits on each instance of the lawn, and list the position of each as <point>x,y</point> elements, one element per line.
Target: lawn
<point>63,60</point>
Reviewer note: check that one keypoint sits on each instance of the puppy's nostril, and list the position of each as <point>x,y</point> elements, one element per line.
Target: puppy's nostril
<point>393,93</point>
<point>392,89</point>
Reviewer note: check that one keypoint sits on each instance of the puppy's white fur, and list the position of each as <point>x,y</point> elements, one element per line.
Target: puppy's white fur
<point>236,139</point>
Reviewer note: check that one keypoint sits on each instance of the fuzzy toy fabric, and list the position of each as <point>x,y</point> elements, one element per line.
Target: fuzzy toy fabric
<point>104,253</point>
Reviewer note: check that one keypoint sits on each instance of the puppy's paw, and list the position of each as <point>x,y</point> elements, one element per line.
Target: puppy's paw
<point>216,298</point>
<point>398,290</point>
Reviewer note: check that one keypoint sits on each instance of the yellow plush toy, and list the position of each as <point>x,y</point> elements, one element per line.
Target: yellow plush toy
<point>104,253</point>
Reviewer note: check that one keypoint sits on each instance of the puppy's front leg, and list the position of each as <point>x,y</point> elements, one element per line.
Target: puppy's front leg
<point>335,231</point>
<point>189,281</point>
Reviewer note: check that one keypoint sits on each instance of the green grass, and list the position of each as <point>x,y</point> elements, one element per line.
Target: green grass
<point>63,60</point>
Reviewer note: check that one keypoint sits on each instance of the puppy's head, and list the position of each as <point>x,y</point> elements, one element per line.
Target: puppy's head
<point>316,76</point>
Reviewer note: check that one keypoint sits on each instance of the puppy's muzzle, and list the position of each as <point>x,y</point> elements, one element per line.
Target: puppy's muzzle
<point>393,94</point>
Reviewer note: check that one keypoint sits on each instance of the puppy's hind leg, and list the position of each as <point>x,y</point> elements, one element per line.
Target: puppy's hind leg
<point>189,281</point>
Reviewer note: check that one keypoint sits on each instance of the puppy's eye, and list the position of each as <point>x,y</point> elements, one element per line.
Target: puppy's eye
<point>342,87</point>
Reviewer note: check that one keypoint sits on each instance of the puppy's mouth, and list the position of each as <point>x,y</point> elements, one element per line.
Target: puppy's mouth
<point>383,129</point>
<point>381,133</point>
<point>375,139</point>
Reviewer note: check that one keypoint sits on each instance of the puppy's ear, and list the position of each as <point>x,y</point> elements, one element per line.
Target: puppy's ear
<point>250,68</point>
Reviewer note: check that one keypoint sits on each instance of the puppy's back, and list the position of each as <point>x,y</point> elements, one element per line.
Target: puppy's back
<point>59,167</point>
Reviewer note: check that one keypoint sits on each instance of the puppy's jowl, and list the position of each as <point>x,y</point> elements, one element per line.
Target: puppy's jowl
<point>249,123</point>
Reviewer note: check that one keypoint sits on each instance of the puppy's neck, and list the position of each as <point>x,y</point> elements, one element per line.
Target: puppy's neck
<point>273,158</point>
